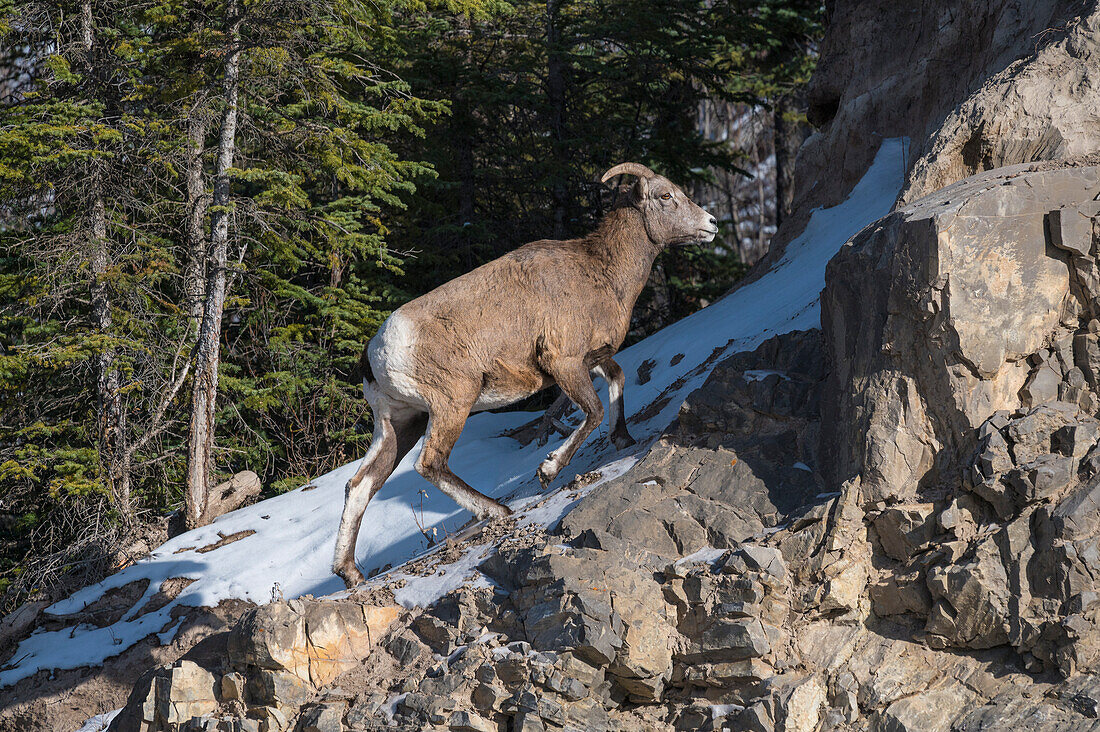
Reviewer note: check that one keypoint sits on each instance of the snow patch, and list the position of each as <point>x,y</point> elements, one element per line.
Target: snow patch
<point>99,722</point>
<point>761,374</point>
<point>423,591</point>
<point>550,511</point>
<point>724,710</point>
<point>390,706</point>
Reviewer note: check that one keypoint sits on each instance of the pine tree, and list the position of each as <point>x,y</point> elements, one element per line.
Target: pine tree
<point>130,236</point>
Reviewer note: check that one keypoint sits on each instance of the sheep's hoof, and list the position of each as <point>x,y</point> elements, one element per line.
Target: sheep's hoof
<point>351,576</point>
<point>546,475</point>
<point>500,511</point>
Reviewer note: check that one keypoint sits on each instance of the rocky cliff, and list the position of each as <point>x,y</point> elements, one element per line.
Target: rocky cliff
<point>890,522</point>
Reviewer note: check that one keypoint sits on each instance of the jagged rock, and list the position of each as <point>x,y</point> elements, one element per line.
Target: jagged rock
<point>1075,440</point>
<point>315,640</point>
<point>462,721</point>
<point>844,698</point>
<point>1002,101</point>
<point>1030,457</point>
<point>185,691</point>
<point>754,718</point>
<point>1022,714</point>
<point>959,518</point>
<point>322,718</point>
<point>528,722</point>
<point>488,697</point>
<point>1018,113</point>
<point>1086,350</point>
<point>926,364</point>
<point>232,687</point>
<point>406,649</point>
<point>271,719</point>
<point>800,705</point>
<point>905,529</point>
<point>971,600</point>
<point>363,709</point>
<point>1033,434</point>
<point>901,593</point>
<point>768,561</point>
<point>440,635</point>
<point>692,718</point>
<point>929,711</point>
<point>168,698</point>
<point>566,604</point>
<point>645,658</point>
<point>1071,227</point>
<point>834,577</point>
<point>731,640</point>
<point>732,614</point>
<point>1041,386</point>
<point>727,675</point>
<point>279,689</point>
<point>245,725</point>
<point>706,483</point>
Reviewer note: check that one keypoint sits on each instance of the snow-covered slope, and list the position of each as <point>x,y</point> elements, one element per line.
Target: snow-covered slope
<point>291,544</point>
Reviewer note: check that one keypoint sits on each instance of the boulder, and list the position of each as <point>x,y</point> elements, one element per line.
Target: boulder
<point>971,600</point>
<point>801,704</point>
<point>315,640</point>
<point>906,528</point>
<point>975,289</point>
<point>322,718</point>
<point>929,711</point>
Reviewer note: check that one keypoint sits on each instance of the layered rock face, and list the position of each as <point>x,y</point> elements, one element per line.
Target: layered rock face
<point>963,397</point>
<point>981,298</point>
<point>973,84</point>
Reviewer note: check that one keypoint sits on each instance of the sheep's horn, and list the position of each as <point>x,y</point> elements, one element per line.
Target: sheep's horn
<point>630,169</point>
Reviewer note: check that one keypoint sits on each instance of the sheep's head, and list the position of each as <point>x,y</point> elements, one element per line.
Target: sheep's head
<point>670,217</point>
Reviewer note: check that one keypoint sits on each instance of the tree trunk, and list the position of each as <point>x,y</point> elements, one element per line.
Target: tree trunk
<point>555,98</point>
<point>109,401</point>
<point>465,127</point>
<point>195,274</point>
<point>788,138</point>
<point>782,182</point>
<point>207,349</point>
<point>110,429</point>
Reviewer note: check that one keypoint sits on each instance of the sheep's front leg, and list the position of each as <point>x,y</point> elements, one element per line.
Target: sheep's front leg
<point>573,378</point>
<point>613,375</point>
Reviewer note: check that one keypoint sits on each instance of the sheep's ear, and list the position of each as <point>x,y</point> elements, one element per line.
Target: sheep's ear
<point>640,190</point>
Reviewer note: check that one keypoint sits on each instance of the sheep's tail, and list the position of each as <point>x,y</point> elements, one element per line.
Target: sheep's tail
<point>365,372</point>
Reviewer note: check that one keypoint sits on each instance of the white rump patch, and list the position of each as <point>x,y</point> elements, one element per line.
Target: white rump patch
<point>392,358</point>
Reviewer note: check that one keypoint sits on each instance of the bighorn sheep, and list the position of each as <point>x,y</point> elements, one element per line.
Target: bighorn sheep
<point>549,312</point>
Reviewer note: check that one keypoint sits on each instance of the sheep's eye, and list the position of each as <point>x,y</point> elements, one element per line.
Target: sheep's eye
<point>666,196</point>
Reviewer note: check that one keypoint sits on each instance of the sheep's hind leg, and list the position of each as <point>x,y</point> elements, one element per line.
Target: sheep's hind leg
<point>394,436</point>
<point>613,375</point>
<point>574,379</point>
<point>444,427</point>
